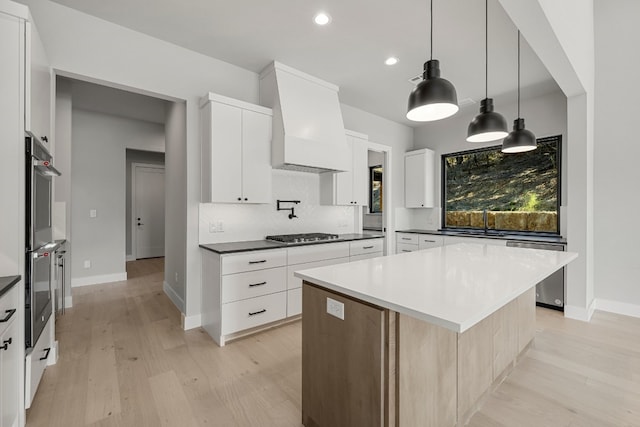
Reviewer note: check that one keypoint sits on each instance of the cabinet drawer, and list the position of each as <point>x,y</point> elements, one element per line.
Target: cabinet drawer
<point>249,313</point>
<point>36,362</point>
<point>427,241</point>
<point>252,284</point>
<point>365,247</point>
<point>294,282</point>
<point>294,302</point>
<point>9,307</point>
<point>405,247</point>
<point>302,254</point>
<point>407,238</point>
<point>250,261</point>
<point>365,256</point>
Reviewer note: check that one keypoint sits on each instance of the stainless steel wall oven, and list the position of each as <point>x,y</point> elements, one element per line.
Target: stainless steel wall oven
<point>38,237</point>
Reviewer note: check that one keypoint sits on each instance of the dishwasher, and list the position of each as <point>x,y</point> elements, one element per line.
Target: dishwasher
<point>550,291</point>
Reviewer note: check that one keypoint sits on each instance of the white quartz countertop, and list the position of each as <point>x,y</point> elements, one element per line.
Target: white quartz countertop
<point>453,286</point>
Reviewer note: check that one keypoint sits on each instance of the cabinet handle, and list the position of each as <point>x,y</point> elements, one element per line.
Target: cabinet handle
<point>8,316</point>
<point>405,250</point>
<point>46,353</point>
<point>239,198</point>
<point>406,238</point>
<point>251,285</point>
<point>245,199</point>
<point>429,241</point>
<point>6,344</point>
<point>264,310</point>
<point>367,247</point>
<point>258,262</point>
<point>45,139</point>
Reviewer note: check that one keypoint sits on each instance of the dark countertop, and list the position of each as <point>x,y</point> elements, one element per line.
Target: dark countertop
<point>258,245</point>
<point>7,282</point>
<point>491,235</point>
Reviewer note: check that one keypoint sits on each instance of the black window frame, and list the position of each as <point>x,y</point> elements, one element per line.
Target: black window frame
<point>371,179</point>
<point>443,184</point>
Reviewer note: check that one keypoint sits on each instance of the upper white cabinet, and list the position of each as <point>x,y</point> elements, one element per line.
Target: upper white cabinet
<point>350,187</point>
<point>236,151</point>
<point>419,179</point>
<point>37,86</point>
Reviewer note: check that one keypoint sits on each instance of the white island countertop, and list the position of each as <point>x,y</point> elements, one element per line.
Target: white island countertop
<point>453,286</point>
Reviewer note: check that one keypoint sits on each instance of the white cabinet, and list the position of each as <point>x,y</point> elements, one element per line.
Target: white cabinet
<point>409,242</point>
<point>9,359</point>
<point>364,249</point>
<point>37,86</point>
<point>236,151</point>
<point>242,291</point>
<point>419,179</point>
<point>426,241</point>
<point>350,187</point>
<point>36,361</point>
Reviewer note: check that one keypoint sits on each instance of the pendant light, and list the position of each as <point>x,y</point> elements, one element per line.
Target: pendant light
<point>488,125</point>
<point>434,98</point>
<point>520,139</point>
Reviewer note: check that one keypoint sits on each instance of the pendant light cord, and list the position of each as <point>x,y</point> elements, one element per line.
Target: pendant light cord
<point>431,29</point>
<point>518,73</point>
<point>486,49</point>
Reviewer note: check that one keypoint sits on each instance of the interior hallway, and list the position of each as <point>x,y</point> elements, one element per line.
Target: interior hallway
<point>126,362</point>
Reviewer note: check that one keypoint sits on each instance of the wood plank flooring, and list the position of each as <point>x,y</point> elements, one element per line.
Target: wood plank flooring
<point>124,361</point>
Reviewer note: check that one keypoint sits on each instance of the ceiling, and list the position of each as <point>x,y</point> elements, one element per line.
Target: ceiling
<point>351,50</point>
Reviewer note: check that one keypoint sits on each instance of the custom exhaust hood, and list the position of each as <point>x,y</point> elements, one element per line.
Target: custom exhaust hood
<point>308,130</point>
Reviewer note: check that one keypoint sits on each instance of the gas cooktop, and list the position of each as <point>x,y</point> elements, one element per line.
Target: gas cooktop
<point>302,238</point>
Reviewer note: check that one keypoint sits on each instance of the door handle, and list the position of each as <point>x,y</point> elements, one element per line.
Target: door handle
<point>8,316</point>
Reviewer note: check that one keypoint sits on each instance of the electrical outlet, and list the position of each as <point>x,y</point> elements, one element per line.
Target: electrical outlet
<point>220,226</point>
<point>212,227</point>
<point>87,263</point>
<point>335,308</point>
<point>93,213</point>
<point>176,277</point>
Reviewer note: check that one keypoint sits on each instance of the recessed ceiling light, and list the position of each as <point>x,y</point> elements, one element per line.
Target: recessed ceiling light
<point>392,60</point>
<point>322,18</point>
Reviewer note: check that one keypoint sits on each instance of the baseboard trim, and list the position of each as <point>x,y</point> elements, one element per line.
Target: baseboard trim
<point>131,258</point>
<point>97,280</point>
<point>617,307</point>
<point>191,322</point>
<point>173,296</point>
<point>580,313</point>
<point>68,301</point>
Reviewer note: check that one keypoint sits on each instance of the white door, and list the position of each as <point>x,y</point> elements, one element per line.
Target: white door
<point>148,215</point>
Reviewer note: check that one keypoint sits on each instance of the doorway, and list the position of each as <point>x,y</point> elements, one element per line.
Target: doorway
<point>147,202</point>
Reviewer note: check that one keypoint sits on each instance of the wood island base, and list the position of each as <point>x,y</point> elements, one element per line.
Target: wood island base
<point>377,367</point>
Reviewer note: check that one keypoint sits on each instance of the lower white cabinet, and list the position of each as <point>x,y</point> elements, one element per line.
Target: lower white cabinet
<point>9,359</point>
<point>426,241</point>
<point>452,240</point>
<point>36,362</point>
<point>242,292</point>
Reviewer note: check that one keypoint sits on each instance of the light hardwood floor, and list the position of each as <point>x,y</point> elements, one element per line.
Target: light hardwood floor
<point>124,361</point>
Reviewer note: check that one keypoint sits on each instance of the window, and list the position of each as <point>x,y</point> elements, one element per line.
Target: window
<point>375,189</point>
<point>486,188</point>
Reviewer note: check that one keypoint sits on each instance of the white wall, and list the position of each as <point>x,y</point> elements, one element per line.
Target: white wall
<point>616,152</point>
<point>175,209</point>
<point>544,116</point>
<point>99,144</point>
<point>79,45</point>
<point>135,156</point>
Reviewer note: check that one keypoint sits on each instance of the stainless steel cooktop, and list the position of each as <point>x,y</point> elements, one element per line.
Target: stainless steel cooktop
<point>302,238</point>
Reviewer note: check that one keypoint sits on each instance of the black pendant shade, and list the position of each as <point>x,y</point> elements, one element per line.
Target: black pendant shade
<point>520,139</point>
<point>488,125</point>
<point>434,98</point>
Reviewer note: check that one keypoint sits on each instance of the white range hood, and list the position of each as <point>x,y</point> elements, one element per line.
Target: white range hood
<point>308,130</point>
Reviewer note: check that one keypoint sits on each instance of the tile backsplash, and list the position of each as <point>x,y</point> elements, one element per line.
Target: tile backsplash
<point>241,222</point>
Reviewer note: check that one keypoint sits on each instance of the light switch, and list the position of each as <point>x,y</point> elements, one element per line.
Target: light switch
<point>335,308</point>
<point>87,263</point>
<point>93,213</point>
<point>212,227</point>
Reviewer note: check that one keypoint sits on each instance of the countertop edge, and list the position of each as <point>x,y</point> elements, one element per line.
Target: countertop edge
<point>516,237</point>
<point>274,245</point>
<point>7,283</point>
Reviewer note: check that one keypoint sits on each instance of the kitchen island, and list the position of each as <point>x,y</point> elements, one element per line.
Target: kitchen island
<point>416,338</point>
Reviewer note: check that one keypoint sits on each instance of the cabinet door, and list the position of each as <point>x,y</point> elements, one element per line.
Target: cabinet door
<point>38,86</point>
<point>360,173</point>
<point>9,369</point>
<point>256,157</point>
<point>344,180</point>
<point>426,241</point>
<point>414,181</point>
<point>226,153</point>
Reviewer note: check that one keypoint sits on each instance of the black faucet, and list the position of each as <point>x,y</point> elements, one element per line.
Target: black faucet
<point>292,214</point>
<point>485,218</point>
